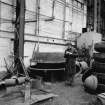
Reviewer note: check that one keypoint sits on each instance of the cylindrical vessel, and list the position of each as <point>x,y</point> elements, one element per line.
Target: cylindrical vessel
<point>100,47</point>
<point>10,82</point>
<point>99,57</point>
<point>36,83</point>
<point>21,80</point>
<point>98,67</point>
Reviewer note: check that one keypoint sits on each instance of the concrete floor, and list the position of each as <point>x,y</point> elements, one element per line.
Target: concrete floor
<point>67,95</point>
<point>72,95</point>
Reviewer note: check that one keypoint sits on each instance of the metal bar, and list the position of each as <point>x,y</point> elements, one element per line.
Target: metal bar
<point>99,17</point>
<point>47,69</point>
<point>36,17</point>
<point>64,17</point>
<point>23,66</point>
<point>95,15</point>
<point>7,67</point>
<point>53,6</point>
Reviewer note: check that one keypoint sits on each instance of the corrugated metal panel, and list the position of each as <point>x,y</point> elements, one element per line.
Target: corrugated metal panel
<point>54,28</point>
<point>30,5</point>
<point>46,7</point>
<point>6,49</point>
<point>7,14</point>
<point>6,11</point>
<point>47,29</point>
<point>88,38</point>
<point>7,27</point>
<point>51,28</point>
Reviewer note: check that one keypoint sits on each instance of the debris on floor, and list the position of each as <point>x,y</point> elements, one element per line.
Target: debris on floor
<point>66,95</point>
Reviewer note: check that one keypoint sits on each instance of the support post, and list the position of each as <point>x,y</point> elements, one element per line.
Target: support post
<point>95,15</point>
<point>64,17</point>
<point>19,29</point>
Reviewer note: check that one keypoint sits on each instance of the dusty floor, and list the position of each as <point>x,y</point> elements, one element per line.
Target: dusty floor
<point>67,95</point>
<point>71,95</point>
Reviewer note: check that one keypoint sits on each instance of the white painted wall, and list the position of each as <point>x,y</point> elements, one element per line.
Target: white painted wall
<point>47,29</point>
<point>5,52</point>
<point>88,38</point>
<point>75,18</point>
<point>7,13</point>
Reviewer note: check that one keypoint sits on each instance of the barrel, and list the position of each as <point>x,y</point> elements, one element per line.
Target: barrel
<point>10,82</point>
<point>21,80</point>
<point>36,83</point>
<point>98,67</point>
<point>101,78</point>
<point>100,88</point>
<point>99,57</point>
<point>100,47</point>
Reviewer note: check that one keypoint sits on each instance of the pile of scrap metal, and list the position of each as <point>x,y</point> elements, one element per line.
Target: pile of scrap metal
<point>16,75</point>
<point>48,61</point>
<point>94,77</point>
<point>98,100</point>
<point>13,81</point>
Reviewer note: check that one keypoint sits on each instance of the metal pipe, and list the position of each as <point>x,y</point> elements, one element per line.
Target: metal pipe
<point>12,82</point>
<point>95,15</point>
<point>64,17</point>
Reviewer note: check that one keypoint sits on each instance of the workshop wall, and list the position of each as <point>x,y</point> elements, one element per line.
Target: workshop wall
<point>7,15</point>
<point>67,23</point>
<point>72,19</point>
<point>89,39</point>
<point>52,34</point>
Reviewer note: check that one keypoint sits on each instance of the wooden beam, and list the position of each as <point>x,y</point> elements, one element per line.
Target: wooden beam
<point>39,98</point>
<point>21,28</point>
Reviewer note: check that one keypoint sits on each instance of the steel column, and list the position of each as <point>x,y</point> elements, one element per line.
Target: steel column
<point>95,15</point>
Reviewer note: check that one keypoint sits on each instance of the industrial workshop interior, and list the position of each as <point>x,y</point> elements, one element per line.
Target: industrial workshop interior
<point>52,52</point>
